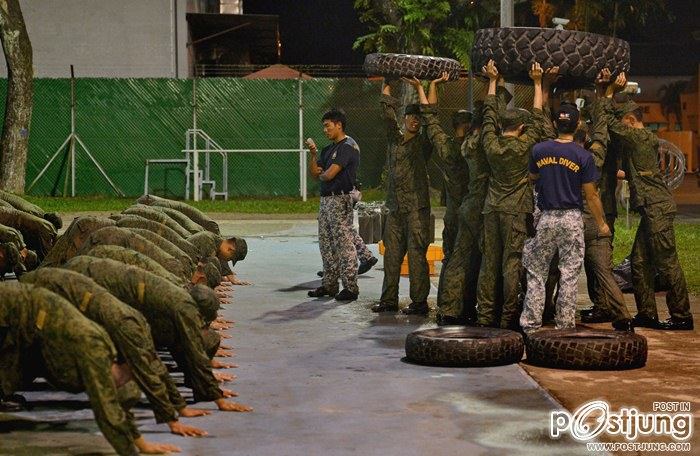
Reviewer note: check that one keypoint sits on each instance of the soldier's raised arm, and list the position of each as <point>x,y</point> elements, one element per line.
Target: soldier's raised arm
<point>600,136</point>
<point>389,106</point>
<point>489,127</point>
<point>437,136</point>
<point>627,134</point>
<point>534,127</point>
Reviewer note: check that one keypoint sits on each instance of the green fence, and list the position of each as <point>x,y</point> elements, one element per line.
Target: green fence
<point>123,122</point>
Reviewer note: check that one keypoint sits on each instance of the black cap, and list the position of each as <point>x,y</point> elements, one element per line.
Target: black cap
<point>567,116</point>
<point>412,109</point>
<point>461,117</point>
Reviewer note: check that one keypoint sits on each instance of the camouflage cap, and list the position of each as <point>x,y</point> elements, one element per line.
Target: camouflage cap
<point>461,117</point>
<point>54,219</point>
<point>207,302</point>
<point>210,268</point>
<point>513,117</point>
<point>31,260</point>
<point>626,108</point>
<point>11,257</point>
<point>241,249</point>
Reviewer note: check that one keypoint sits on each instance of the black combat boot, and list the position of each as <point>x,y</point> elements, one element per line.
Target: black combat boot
<point>384,307</point>
<point>346,295</point>
<point>416,308</point>
<point>321,292</point>
<point>677,324</point>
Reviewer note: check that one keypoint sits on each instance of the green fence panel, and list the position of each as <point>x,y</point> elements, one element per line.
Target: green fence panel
<point>124,122</point>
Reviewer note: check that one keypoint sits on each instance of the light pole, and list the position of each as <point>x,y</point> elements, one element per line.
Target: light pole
<point>507,16</point>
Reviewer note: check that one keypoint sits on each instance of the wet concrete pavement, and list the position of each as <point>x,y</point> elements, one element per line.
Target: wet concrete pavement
<point>327,378</point>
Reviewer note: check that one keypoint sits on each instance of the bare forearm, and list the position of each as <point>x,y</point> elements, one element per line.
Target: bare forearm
<point>537,100</point>
<point>596,208</point>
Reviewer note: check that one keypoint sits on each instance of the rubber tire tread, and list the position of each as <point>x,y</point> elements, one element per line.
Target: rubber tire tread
<point>473,347</point>
<point>407,65</point>
<point>586,349</point>
<point>579,55</point>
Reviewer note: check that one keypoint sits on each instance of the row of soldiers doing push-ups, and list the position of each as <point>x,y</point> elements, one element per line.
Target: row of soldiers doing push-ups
<point>107,294</point>
<point>490,240</point>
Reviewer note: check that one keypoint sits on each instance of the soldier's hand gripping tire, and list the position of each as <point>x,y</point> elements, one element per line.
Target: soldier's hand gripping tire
<point>409,66</point>
<point>585,349</point>
<point>579,55</point>
<point>462,346</point>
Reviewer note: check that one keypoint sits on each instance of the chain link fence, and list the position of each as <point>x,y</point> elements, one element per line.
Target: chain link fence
<point>124,122</point>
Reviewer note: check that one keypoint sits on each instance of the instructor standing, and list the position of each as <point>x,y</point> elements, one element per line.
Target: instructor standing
<point>337,171</point>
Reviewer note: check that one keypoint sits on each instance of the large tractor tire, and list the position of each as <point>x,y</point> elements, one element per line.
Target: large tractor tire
<point>579,55</point>
<point>585,349</point>
<point>405,65</point>
<point>460,346</point>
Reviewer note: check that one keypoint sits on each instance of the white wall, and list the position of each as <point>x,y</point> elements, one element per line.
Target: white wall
<point>106,38</point>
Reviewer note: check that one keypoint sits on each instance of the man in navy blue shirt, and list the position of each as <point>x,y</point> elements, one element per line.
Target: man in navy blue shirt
<point>337,171</point>
<point>562,170</point>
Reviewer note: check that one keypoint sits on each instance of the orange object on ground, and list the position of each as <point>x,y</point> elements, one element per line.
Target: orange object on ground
<point>433,254</point>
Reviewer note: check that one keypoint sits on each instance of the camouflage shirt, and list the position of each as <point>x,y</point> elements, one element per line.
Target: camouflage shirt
<point>407,178</point>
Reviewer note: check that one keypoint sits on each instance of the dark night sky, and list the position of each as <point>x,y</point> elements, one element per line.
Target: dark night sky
<point>314,31</point>
<point>322,32</point>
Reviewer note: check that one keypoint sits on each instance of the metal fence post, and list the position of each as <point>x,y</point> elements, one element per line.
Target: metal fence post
<point>302,152</point>
<point>195,155</point>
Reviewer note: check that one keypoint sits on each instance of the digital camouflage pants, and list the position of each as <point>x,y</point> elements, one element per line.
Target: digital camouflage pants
<point>337,243</point>
<point>557,231</point>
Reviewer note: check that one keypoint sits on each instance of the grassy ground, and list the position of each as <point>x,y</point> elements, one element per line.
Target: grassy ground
<point>247,205</point>
<point>687,244</point>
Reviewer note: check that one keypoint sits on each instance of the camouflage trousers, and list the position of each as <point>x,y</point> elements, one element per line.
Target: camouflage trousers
<point>557,231</point>
<point>406,233</point>
<point>603,290</point>
<point>363,253</point>
<point>458,278</point>
<point>336,241</point>
<point>654,250</point>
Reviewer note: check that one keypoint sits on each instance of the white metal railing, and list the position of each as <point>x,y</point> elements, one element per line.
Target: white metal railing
<point>204,176</point>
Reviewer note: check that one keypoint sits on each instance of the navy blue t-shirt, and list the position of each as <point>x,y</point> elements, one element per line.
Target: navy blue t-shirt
<point>345,154</point>
<point>563,168</point>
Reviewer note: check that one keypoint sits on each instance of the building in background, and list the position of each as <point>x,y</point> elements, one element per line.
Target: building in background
<point>144,38</point>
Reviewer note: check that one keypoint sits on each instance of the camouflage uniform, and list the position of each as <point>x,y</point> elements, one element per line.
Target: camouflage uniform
<point>188,264</point>
<point>13,236</point>
<point>557,231</point>
<point>207,244</point>
<point>126,327</point>
<point>654,248</point>
<point>456,177</point>
<point>39,234</point>
<point>507,208</point>
<point>68,244</point>
<point>175,318</point>
<point>157,216</point>
<point>458,279</point>
<point>336,242</point>
<point>48,337</point>
<point>363,253</point>
<point>193,213</point>
<point>182,220</point>
<point>603,290</point>
<point>23,205</point>
<point>125,238</point>
<point>134,221</point>
<point>407,227</point>
<point>134,258</point>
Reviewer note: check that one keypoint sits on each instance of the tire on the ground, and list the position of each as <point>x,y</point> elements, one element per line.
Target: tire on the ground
<point>579,55</point>
<point>460,346</point>
<point>406,65</point>
<point>585,349</point>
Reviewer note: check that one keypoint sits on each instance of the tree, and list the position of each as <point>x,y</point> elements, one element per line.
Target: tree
<point>608,17</point>
<point>14,143</point>
<point>428,27</point>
